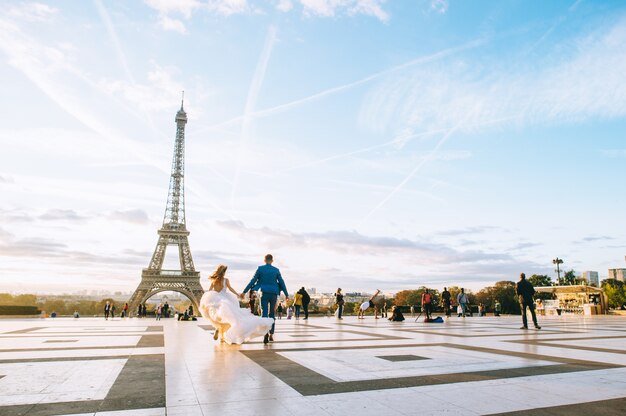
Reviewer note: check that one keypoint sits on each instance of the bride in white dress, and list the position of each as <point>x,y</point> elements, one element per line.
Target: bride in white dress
<point>233,324</point>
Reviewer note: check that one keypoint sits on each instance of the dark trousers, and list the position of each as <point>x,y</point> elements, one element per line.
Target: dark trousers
<point>268,307</point>
<point>298,311</point>
<point>106,314</point>
<point>339,310</point>
<point>305,308</point>
<point>530,306</point>
<point>428,309</point>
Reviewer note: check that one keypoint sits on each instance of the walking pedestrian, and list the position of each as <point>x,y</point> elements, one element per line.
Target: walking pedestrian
<point>306,299</point>
<point>159,311</point>
<point>526,291</point>
<point>427,303</point>
<point>497,308</point>
<point>339,302</point>
<point>107,310</point>
<point>297,303</point>
<point>463,300</point>
<point>268,279</point>
<point>445,297</point>
<point>279,310</point>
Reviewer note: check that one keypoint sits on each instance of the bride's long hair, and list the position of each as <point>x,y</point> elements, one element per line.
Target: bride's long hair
<point>219,273</point>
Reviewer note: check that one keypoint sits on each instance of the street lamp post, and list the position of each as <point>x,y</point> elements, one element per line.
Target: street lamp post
<point>558,261</point>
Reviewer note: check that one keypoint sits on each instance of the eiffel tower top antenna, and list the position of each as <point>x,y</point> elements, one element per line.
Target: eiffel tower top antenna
<point>182,101</point>
<point>174,218</point>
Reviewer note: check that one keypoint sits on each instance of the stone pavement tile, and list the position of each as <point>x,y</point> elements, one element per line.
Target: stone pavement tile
<point>77,414</point>
<point>304,406</point>
<point>195,410</point>
<point>234,394</point>
<point>493,398</point>
<point>245,407</point>
<point>157,411</point>
<point>351,403</point>
<point>413,401</point>
<point>614,407</point>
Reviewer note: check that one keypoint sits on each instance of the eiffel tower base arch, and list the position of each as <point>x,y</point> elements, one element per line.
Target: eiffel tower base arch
<point>150,285</point>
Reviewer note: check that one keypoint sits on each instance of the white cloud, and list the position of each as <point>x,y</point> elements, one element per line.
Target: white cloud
<point>332,8</point>
<point>133,216</point>
<point>284,5</point>
<point>423,252</point>
<point>182,7</point>
<point>586,82</point>
<point>614,153</point>
<point>369,8</point>
<point>229,7</point>
<point>57,214</point>
<point>157,94</point>
<point>175,25</point>
<point>311,8</point>
<point>34,12</point>
<point>439,6</point>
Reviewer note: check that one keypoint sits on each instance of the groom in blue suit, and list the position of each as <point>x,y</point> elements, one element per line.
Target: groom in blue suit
<point>268,279</point>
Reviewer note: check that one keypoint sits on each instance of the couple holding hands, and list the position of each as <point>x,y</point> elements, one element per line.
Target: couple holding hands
<point>236,325</point>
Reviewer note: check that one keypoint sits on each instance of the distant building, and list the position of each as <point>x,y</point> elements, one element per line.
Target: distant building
<point>617,274</point>
<point>312,291</point>
<point>591,278</point>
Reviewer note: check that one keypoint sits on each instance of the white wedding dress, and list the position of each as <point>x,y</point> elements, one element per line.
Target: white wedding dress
<point>223,308</point>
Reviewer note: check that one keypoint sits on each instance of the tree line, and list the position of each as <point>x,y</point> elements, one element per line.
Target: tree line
<point>503,291</point>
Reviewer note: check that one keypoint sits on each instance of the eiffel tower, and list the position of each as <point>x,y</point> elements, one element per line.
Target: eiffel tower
<point>185,280</point>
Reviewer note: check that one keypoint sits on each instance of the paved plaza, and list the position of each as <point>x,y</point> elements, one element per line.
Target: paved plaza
<point>471,366</point>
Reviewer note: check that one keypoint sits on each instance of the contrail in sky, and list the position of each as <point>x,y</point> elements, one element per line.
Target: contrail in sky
<point>117,45</point>
<point>253,94</point>
<point>385,144</point>
<point>431,155</point>
<point>283,107</point>
<point>13,42</point>
<point>417,167</point>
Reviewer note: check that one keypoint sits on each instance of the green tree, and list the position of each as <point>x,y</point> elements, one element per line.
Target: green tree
<point>615,293</point>
<point>540,280</point>
<point>570,278</point>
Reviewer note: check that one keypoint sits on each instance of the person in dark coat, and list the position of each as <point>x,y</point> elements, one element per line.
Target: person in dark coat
<point>396,314</point>
<point>306,299</point>
<point>107,310</point>
<point>445,298</point>
<point>526,291</point>
<point>340,302</point>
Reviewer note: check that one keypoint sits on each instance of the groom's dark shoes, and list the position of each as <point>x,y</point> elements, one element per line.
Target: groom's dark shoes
<point>271,337</point>
<point>266,339</point>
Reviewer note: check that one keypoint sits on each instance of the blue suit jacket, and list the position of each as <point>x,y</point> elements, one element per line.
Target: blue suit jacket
<point>268,279</point>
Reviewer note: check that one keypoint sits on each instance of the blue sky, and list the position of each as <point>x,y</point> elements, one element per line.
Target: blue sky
<point>367,144</point>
